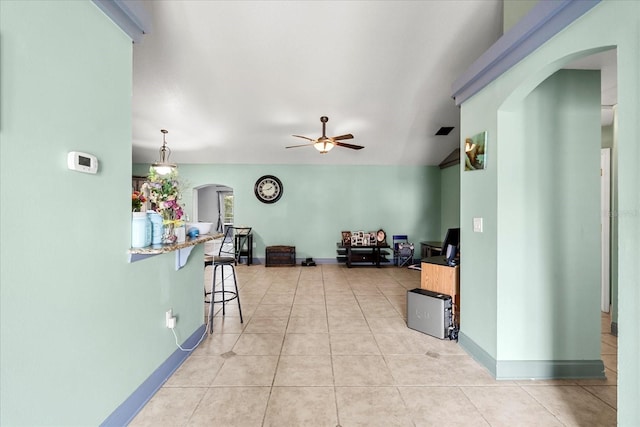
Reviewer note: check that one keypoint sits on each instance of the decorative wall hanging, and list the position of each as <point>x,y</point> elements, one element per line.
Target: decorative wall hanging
<point>475,148</point>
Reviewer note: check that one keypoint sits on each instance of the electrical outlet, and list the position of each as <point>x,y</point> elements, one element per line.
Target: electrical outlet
<point>171,323</point>
<point>170,319</point>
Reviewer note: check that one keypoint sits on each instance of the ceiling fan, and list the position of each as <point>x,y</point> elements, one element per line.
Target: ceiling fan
<point>326,143</point>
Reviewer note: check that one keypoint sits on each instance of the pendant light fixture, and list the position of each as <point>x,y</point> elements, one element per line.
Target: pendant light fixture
<point>163,167</point>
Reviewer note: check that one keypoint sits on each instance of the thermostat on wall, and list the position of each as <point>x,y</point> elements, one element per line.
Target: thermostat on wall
<point>82,162</point>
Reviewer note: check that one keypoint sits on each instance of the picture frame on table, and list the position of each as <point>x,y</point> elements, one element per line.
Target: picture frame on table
<point>373,239</point>
<point>346,237</point>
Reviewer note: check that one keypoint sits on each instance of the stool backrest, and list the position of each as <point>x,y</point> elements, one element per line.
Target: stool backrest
<point>399,238</point>
<point>226,248</point>
<point>234,240</point>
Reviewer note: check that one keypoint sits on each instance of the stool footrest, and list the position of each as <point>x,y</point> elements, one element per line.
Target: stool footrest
<point>231,298</point>
<point>230,295</point>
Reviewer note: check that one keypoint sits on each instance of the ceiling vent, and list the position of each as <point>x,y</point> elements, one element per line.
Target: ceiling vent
<point>444,130</point>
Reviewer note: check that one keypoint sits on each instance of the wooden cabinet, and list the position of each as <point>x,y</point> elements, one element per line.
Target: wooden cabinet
<point>439,277</point>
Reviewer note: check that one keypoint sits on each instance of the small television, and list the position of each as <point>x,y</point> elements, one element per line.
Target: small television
<point>450,244</point>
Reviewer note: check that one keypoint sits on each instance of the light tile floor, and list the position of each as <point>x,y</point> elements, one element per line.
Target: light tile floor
<point>329,346</point>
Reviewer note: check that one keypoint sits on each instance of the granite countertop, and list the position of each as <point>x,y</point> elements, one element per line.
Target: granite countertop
<point>161,249</point>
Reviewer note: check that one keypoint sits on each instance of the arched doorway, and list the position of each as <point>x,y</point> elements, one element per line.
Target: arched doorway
<point>549,158</point>
<point>213,203</point>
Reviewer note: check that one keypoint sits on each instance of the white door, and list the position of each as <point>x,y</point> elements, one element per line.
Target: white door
<point>605,209</point>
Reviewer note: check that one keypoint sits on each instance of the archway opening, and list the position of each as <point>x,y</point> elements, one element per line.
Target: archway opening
<point>214,203</point>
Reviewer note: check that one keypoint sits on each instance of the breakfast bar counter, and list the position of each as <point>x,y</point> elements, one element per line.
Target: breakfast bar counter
<point>163,249</point>
<point>182,249</point>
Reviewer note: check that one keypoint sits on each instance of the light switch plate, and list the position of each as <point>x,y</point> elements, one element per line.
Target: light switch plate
<point>477,225</point>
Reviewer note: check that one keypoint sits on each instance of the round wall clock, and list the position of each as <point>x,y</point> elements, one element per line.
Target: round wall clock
<point>268,189</point>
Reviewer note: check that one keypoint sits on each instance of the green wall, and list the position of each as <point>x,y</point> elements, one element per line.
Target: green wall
<point>497,109</point>
<point>478,199</point>
<point>80,327</point>
<point>321,201</point>
<point>449,199</point>
<point>607,136</point>
<point>549,221</point>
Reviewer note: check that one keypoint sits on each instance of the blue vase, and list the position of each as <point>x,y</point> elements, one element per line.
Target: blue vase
<point>156,227</point>
<point>140,230</point>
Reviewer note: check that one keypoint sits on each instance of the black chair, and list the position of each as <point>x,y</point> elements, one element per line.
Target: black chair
<point>228,256</point>
<point>405,254</point>
<point>396,240</point>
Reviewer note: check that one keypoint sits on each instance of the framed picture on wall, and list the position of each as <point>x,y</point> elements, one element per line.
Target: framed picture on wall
<point>475,148</point>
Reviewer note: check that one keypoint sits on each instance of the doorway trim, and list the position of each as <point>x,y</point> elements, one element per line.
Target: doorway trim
<point>605,228</point>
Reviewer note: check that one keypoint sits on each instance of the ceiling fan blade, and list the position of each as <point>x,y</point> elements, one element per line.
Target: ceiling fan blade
<point>303,137</point>
<point>341,137</point>
<point>302,145</point>
<point>352,146</point>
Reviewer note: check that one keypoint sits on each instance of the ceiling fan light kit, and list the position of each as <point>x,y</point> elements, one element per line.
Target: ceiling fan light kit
<point>323,146</point>
<point>325,143</point>
<point>163,167</point>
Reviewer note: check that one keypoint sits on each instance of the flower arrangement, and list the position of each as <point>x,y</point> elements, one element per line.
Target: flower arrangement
<point>164,193</point>
<point>137,199</point>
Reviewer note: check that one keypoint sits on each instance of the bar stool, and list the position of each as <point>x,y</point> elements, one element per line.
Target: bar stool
<point>227,257</point>
<point>208,261</point>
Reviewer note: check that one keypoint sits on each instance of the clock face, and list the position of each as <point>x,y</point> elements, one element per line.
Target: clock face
<point>268,189</point>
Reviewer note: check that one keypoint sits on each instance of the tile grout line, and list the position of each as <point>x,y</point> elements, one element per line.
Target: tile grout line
<point>333,372</point>
<point>584,387</point>
<point>284,337</point>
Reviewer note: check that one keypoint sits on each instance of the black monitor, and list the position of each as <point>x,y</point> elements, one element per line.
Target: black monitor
<point>452,238</point>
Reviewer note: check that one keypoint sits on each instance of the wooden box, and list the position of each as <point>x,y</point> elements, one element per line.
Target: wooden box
<point>280,256</point>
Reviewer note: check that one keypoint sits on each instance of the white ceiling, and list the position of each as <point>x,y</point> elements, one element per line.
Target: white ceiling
<point>232,81</point>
